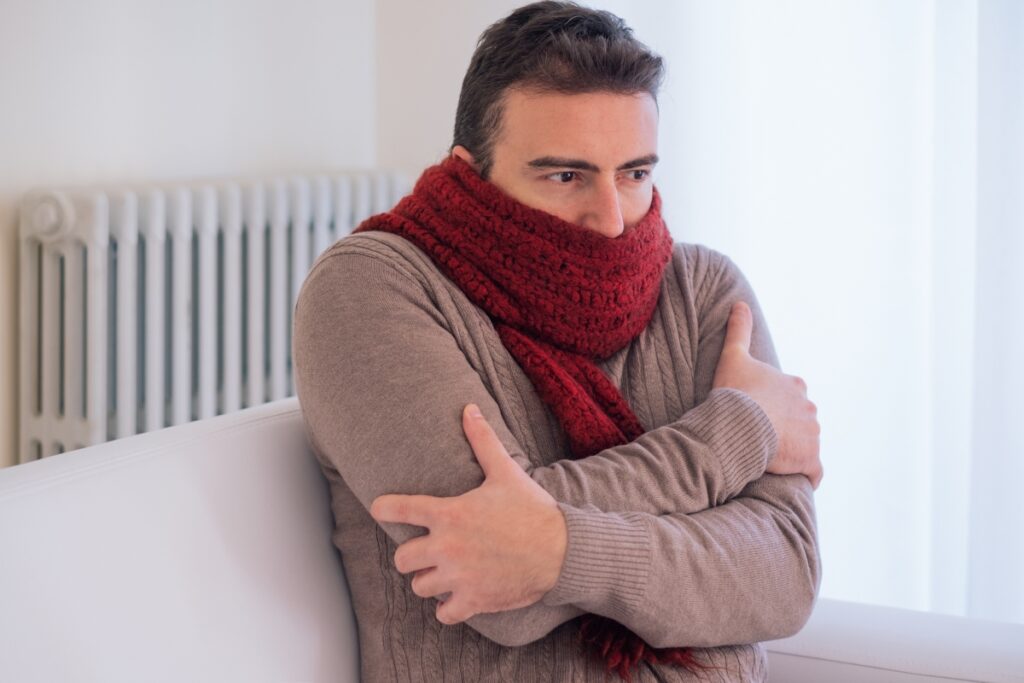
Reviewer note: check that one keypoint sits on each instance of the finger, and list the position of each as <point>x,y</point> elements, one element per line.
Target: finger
<point>428,583</point>
<point>487,447</point>
<point>453,611</point>
<point>415,554</point>
<point>740,326</point>
<point>395,507</point>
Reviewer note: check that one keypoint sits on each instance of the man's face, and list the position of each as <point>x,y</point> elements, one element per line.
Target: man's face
<point>585,158</point>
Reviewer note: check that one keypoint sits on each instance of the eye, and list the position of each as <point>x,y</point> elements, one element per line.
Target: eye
<point>564,177</point>
<point>640,174</point>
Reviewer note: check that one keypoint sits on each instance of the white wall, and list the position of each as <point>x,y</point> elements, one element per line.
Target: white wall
<point>103,91</point>
<point>423,49</point>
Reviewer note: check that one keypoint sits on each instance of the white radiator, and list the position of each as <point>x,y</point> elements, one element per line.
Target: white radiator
<point>144,308</point>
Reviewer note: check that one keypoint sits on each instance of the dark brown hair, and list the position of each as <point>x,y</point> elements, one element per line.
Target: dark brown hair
<point>549,47</point>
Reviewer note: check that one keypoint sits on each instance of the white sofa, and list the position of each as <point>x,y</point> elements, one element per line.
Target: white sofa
<point>203,553</point>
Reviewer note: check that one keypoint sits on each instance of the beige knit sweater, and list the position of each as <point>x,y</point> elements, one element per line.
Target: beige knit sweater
<point>680,535</point>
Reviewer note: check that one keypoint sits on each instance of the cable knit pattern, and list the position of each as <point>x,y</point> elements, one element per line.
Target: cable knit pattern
<point>679,534</point>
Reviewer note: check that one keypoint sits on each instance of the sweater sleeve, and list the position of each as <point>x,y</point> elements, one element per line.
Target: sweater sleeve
<point>700,460</point>
<point>743,572</point>
<point>382,382</point>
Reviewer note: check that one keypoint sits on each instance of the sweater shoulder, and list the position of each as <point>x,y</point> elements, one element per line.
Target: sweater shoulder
<point>381,265</point>
<point>374,250</point>
<point>697,261</point>
<point>696,269</point>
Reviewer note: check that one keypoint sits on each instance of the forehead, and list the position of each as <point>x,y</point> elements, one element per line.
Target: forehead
<point>600,126</point>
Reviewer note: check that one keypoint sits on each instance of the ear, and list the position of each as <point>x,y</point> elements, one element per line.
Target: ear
<point>464,154</point>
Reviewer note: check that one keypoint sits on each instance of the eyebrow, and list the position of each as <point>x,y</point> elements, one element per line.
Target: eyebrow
<point>581,165</point>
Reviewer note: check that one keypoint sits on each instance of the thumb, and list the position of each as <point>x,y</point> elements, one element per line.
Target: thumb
<point>740,326</point>
<point>487,447</point>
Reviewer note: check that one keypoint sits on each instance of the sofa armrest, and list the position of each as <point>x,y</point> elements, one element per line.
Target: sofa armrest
<point>200,552</point>
<point>858,643</point>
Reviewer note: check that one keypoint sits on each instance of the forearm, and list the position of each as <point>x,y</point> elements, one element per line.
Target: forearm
<point>701,460</point>
<point>743,572</point>
<point>518,627</point>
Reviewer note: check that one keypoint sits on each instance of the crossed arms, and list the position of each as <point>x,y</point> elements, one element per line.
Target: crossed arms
<point>700,547</point>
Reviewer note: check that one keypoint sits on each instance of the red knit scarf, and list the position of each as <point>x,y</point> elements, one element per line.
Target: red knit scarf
<point>560,297</point>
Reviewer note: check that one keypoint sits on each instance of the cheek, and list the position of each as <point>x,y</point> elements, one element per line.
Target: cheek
<point>566,206</point>
<point>635,205</point>
<point>567,214</point>
<point>537,196</point>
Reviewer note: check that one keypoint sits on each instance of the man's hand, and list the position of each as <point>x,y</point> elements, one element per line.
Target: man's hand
<point>497,547</point>
<point>783,397</point>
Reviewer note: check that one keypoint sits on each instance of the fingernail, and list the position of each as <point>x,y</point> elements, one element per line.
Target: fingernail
<point>474,411</point>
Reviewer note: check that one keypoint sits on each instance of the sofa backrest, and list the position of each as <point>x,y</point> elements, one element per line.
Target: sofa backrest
<point>198,552</point>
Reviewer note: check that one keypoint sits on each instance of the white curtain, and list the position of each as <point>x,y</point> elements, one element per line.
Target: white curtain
<point>996,528</point>
<point>863,163</point>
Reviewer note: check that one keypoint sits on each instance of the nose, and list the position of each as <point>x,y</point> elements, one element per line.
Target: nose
<point>604,214</point>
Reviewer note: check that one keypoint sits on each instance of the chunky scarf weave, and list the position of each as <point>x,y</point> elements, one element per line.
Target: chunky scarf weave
<point>560,296</point>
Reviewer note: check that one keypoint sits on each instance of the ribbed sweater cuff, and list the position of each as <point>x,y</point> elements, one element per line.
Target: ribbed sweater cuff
<point>738,431</point>
<point>606,561</point>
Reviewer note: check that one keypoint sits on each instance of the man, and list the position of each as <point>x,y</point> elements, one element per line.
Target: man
<point>586,419</point>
